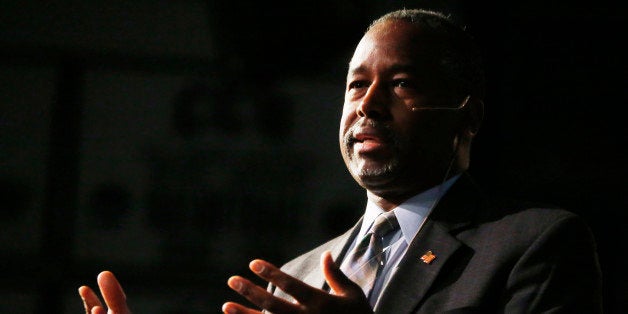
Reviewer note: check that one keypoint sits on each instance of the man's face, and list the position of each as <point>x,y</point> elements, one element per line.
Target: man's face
<point>388,145</point>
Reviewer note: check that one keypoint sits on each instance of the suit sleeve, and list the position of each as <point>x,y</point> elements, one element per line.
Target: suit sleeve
<point>558,273</point>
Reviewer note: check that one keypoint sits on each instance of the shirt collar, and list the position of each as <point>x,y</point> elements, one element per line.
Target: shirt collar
<point>412,213</point>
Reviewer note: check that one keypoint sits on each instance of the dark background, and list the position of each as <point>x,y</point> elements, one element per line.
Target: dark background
<point>174,141</point>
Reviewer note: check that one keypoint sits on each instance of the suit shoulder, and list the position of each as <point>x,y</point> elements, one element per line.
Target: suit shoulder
<point>542,215</point>
<point>526,223</point>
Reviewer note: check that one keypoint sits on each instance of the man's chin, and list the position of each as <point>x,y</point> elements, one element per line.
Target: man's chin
<point>374,177</point>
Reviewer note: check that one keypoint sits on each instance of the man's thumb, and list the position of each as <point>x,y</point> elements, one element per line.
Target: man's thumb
<point>336,279</point>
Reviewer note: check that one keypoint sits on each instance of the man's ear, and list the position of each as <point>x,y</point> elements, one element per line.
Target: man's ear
<point>474,114</point>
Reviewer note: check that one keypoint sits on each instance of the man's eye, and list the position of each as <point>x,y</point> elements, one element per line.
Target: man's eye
<point>405,88</point>
<point>357,84</point>
<point>402,83</point>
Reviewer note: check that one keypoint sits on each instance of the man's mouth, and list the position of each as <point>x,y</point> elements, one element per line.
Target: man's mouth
<point>368,137</point>
<point>366,142</point>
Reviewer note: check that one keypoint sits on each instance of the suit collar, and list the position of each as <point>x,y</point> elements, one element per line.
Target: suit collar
<point>458,207</point>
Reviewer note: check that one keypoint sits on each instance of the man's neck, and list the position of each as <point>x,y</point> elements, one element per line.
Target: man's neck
<point>390,201</point>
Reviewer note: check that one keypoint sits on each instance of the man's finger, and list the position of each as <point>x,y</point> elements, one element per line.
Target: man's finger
<point>235,308</point>
<point>299,290</point>
<point>336,279</point>
<point>112,293</point>
<point>260,296</point>
<point>90,299</point>
<point>98,310</point>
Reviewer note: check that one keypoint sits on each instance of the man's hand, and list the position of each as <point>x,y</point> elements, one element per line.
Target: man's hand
<point>347,296</point>
<point>112,292</point>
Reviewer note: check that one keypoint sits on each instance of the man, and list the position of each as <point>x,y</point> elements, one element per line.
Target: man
<point>413,104</point>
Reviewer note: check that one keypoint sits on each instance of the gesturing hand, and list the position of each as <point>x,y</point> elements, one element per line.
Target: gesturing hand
<point>347,298</point>
<point>112,293</point>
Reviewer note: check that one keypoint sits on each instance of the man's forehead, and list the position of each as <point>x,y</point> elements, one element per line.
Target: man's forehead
<point>392,58</point>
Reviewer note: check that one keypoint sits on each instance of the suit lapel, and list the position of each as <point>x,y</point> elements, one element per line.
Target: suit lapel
<point>338,249</point>
<point>413,277</point>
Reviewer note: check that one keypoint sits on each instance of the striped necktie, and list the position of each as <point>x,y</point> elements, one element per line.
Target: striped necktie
<point>366,258</point>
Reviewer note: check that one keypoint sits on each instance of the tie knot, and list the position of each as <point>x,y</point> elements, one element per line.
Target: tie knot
<point>385,223</point>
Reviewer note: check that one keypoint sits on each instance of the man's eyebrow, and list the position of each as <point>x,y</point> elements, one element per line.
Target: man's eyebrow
<point>358,70</point>
<point>396,68</point>
<point>403,68</point>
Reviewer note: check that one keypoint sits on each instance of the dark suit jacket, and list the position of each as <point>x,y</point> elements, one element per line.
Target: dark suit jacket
<point>491,257</point>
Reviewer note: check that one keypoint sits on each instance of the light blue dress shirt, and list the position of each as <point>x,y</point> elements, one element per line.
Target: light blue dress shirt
<point>411,215</point>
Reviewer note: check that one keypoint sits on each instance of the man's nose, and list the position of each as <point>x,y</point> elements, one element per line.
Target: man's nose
<point>374,104</point>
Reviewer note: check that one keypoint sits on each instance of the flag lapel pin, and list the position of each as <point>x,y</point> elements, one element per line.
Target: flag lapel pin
<point>428,257</point>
